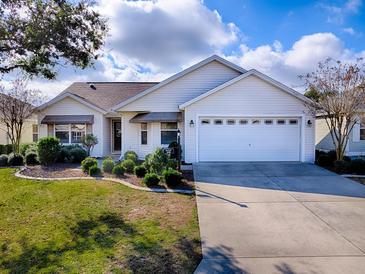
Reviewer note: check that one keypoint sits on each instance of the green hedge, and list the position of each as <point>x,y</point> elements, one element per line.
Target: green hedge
<point>6,149</point>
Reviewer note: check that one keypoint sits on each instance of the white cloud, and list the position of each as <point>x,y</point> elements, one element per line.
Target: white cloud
<point>302,57</point>
<point>350,31</point>
<point>338,13</point>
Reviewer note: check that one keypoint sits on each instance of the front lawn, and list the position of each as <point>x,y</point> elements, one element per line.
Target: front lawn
<point>94,227</point>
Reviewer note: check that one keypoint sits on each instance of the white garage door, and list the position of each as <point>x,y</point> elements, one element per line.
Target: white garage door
<point>249,139</point>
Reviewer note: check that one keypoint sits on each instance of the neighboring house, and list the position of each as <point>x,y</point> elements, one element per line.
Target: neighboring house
<point>222,111</point>
<point>29,132</point>
<point>356,143</point>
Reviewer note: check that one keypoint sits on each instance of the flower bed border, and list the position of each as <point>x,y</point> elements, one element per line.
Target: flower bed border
<point>115,180</point>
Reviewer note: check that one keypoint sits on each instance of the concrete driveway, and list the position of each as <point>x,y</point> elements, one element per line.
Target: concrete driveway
<point>285,218</point>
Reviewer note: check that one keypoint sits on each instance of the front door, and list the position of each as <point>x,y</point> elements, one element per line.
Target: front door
<point>117,136</point>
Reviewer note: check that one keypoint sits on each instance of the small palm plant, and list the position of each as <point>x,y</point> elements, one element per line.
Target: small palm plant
<point>89,141</point>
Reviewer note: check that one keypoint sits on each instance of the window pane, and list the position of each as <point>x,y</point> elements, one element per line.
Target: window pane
<point>293,122</point>
<point>35,137</point>
<point>144,137</point>
<point>35,128</point>
<point>168,125</point>
<point>167,137</point>
<point>62,127</point>
<point>362,134</point>
<point>63,136</point>
<point>76,136</point>
<point>231,122</point>
<point>143,126</point>
<point>243,122</point>
<point>255,122</point>
<point>218,122</point>
<point>205,122</point>
<point>268,122</point>
<point>281,122</point>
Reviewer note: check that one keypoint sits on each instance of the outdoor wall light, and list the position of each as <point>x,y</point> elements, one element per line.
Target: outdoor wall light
<point>191,123</point>
<point>309,123</point>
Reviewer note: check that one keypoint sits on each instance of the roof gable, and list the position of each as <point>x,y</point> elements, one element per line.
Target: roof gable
<point>179,75</point>
<point>256,73</point>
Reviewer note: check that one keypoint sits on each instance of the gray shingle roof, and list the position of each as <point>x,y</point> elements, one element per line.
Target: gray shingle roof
<point>105,95</point>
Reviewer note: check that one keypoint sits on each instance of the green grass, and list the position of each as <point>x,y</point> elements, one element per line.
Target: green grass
<point>94,227</point>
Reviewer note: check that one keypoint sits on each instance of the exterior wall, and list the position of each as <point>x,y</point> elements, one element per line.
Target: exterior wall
<point>250,96</point>
<point>356,147</point>
<point>170,96</point>
<point>324,140</point>
<point>27,134</point>
<point>70,106</point>
<point>323,136</point>
<point>131,136</point>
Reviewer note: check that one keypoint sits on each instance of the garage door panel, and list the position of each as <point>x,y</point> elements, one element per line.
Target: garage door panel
<point>249,142</point>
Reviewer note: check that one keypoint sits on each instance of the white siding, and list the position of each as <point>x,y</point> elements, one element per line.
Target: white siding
<point>323,136</point>
<point>250,96</point>
<point>131,136</point>
<point>70,106</point>
<point>191,85</point>
<point>27,132</point>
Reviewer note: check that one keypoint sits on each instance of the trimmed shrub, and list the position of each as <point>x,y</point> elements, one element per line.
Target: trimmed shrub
<point>358,166</point>
<point>108,165</point>
<point>15,159</point>
<point>6,149</point>
<point>24,148</point>
<point>151,179</point>
<point>128,165</point>
<point>342,166</point>
<point>94,171</point>
<point>48,150</point>
<point>3,160</point>
<point>332,156</point>
<point>140,171</point>
<point>31,158</point>
<point>158,160</point>
<point>77,155</point>
<point>87,163</point>
<point>324,160</point>
<point>146,162</point>
<point>118,170</point>
<point>172,177</point>
<point>131,155</point>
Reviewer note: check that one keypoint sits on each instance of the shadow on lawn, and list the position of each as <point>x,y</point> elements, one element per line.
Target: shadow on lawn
<point>104,232</point>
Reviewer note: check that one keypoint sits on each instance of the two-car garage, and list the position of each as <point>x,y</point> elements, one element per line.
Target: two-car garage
<point>249,138</point>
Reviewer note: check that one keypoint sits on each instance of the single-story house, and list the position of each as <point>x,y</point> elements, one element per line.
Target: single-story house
<point>356,142</point>
<point>221,111</point>
<point>29,132</point>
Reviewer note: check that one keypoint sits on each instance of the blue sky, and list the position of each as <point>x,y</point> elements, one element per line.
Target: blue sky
<point>151,40</point>
<point>286,21</point>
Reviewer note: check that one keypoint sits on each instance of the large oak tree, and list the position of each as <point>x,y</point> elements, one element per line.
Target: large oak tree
<point>38,35</point>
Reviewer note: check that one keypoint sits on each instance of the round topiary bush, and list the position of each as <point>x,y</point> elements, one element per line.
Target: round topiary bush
<point>31,158</point>
<point>128,165</point>
<point>94,171</point>
<point>140,171</point>
<point>118,170</point>
<point>172,177</point>
<point>3,160</point>
<point>108,165</point>
<point>151,179</point>
<point>87,163</point>
<point>358,166</point>
<point>324,160</point>
<point>48,150</point>
<point>24,148</point>
<point>131,155</point>
<point>342,166</point>
<point>157,161</point>
<point>15,159</point>
<point>77,155</point>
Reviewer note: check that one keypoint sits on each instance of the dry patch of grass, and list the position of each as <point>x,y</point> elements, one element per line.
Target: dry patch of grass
<point>94,227</point>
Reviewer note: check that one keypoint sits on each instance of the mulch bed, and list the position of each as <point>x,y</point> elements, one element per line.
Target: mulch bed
<point>73,170</point>
<point>54,171</point>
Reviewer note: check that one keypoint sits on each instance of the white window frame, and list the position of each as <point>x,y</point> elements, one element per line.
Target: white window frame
<point>362,127</point>
<point>168,129</point>
<point>69,132</point>
<point>35,132</point>
<point>144,130</point>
